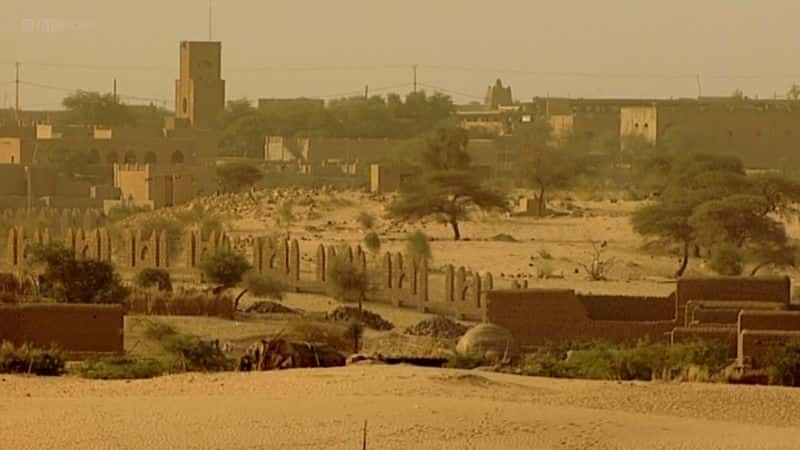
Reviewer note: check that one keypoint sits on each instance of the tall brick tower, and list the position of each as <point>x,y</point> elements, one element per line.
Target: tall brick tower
<point>200,90</point>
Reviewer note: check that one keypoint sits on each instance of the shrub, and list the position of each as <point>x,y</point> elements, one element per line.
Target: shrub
<point>726,259</point>
<point>783,365</point>
<point>10,283</point>
<point>27,359</point>
<point>313,331</point>
<point>372,242</point>
<point>152,277</point>
<point>418,247</point>
<point>67,279</point>
<point>365,220</point>
<point>194,354</point>
<point>225,268</point>
<point>642,361</point>
<point>347,282</point>
<point>120,368</point>
<point>265,286</point>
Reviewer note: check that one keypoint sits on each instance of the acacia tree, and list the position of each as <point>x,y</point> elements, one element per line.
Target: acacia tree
<point>709,201</point>
<point>448,195</point>
<point>447,189</point>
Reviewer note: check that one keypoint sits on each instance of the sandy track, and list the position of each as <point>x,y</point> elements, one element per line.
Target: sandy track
<point>406,407</point>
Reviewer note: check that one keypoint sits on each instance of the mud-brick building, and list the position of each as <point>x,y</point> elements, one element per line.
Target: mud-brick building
<point>154,185</point>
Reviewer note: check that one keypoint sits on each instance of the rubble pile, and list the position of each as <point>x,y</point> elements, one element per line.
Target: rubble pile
<point>438,327</point>
<point>368,318</point>
<point>267,307</point>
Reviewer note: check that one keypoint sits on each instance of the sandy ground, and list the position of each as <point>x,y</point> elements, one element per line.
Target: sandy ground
<point>406,407</point>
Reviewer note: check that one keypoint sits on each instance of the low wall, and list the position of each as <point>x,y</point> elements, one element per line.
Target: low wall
<point>769,320</point>
<point>725,336</point>
<point>746,289</point>
<point>76,328</point>
<point>755,346</point>
<point>539,316</point>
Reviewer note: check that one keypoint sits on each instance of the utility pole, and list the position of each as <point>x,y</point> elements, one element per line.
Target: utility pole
<point>16,107</point>
<point>414,67</point>
<point>366,92</point>
<point>116,99</point>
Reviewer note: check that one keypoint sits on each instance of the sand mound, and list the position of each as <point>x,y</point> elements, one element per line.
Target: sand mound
<point>266,307</point>
<point>438,327</point>
<point>368,318</point>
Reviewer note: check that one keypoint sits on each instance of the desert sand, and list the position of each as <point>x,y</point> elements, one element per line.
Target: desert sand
<point>406,408</point>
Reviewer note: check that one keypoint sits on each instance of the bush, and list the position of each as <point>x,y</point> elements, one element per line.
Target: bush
<point>120,368</point>
<point>418,247</point>
<point>726,260</point>
<point>783,365</point>
<point>347,282</point>
<point>264,286</point>
<point>643,361</point>
<point>151,277</point>
<point>69,280</point>
<point>194,354</point>
<point>318,332</point>
<point>372,242</point>
<point>365,220</point>
<point>225,267</point>
<point>27,359</point>
<point>368,318</point>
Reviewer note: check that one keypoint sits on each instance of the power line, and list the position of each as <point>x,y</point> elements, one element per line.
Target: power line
<point>449,91</point>
<point>65,89</point>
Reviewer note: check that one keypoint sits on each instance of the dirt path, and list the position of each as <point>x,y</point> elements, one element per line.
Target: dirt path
<point>406,408</point>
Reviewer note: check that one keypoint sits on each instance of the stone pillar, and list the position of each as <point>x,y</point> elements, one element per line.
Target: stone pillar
<point>320,260</point>
<point>422,286</point>
<point>294,261</point>
<point>459,284</point>
<point>449,281</point>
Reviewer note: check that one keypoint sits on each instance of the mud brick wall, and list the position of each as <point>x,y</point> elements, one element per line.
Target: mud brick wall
<point>769,320</point>
<point>724,336</point>
<point>755,346</point>
<point>628,308</point>
<point>76,328</point>
<point>761,289</point>
<point>713,315</point>
<point>538,316</point>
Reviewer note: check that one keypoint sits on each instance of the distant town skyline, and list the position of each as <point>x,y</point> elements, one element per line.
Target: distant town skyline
<point>612,48</point>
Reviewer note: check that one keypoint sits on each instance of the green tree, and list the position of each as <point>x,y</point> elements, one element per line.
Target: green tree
<point>236,177</point>
<point>94,108</point>
<point>226,268</point>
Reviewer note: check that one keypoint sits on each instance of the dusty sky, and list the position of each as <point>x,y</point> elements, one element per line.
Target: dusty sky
<point>284,48</point>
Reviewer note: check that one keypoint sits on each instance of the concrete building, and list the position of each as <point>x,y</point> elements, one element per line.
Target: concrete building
<point>200,90</point>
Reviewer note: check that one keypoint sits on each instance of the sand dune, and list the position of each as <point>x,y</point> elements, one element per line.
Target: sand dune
<point>406,407</point>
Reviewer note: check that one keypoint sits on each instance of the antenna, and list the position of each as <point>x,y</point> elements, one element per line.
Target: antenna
<point>210,18</point>
<point>699,88</point>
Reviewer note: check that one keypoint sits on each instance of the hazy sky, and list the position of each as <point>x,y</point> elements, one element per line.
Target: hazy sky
<point>282,48</point>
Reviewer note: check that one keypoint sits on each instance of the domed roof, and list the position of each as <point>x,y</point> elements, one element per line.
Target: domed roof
<point>485,337</point>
